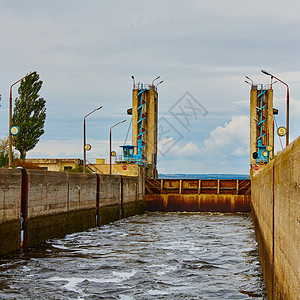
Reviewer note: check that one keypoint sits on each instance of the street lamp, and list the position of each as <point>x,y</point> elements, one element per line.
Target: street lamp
<point>287,104</point>
<point>110,143</point>
<point>84,142</point>
<point>10,121</point>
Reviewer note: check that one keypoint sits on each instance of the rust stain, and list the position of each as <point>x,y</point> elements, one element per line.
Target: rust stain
<point>222,195</point>
<point>198,203</point>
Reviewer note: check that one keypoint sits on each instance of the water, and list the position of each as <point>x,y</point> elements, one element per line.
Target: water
<point>153,256</point>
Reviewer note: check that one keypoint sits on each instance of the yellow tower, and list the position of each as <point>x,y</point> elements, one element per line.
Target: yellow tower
<point>144,124</point>
<point>261,127</point>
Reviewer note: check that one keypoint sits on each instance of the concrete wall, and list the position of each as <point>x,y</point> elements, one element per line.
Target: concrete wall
<point>47,206</point>
<point>55,203</point>
<point>56,164</point>
<point>110,198</point>
<point>132,169</point>
<point>130,196</point>
<point>10,210</point>
<point>276,215</point>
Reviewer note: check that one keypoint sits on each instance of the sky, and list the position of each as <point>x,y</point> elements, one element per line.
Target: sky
<point>86,52</point>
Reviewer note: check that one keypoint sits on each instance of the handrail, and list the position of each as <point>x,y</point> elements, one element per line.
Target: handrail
<point>89,163</point>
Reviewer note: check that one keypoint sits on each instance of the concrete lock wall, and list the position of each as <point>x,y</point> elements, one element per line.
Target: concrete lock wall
<point>55,203</point>
<point>129,197</point>
<point>47,206</point>
<point>276,216</point>
<point>141,191</point>
<point>110,198</point>
<point>81,201</point>
<point>10,210</point>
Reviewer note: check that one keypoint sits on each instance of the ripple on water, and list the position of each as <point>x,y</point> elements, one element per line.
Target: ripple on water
<point>153,256</point>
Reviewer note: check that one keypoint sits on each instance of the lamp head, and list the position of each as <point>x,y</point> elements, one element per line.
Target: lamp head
<point>99,107</point>
<point>132,77</point>
<point>265,72</point>
<point>160,82</point>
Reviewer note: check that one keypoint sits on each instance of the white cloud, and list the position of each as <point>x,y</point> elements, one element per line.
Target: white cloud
<point>226,150</point>
<point>73,149</point>
<point>233,136</point>
<point>189,150</point>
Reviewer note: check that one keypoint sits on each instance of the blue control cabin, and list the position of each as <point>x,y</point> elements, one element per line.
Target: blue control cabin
<point>130,157</point>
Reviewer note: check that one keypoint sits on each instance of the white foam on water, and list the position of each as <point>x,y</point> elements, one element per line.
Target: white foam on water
<point>124,275</point>
<point>71,286</point>
<point>125,297</point>
<point>157,292</point>
<point>59,247</point>
<point>74,281</point>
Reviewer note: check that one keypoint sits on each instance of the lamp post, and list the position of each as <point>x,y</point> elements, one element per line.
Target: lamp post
<point>84,139</point>
<point>110,143</point>
<point>287,104</point>
<point>10,121</point>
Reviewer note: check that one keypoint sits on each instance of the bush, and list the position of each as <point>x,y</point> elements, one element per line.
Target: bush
<point>3,159</point>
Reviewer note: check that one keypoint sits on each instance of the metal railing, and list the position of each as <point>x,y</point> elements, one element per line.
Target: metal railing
<point>92,167</point>
<point>139,86</point>
<point>261,87</point>
<point>118,159</point>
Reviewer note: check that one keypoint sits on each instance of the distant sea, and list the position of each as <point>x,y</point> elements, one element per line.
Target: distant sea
<point>203,176</point>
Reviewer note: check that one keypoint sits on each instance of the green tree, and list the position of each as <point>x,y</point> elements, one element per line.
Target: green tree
<point>4,152</point>
<point>29,114</point>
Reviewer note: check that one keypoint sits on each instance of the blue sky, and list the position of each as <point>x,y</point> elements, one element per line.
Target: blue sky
<point>86,52</point>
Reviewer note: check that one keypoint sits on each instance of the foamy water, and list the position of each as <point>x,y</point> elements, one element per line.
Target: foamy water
<point>153,256</point>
